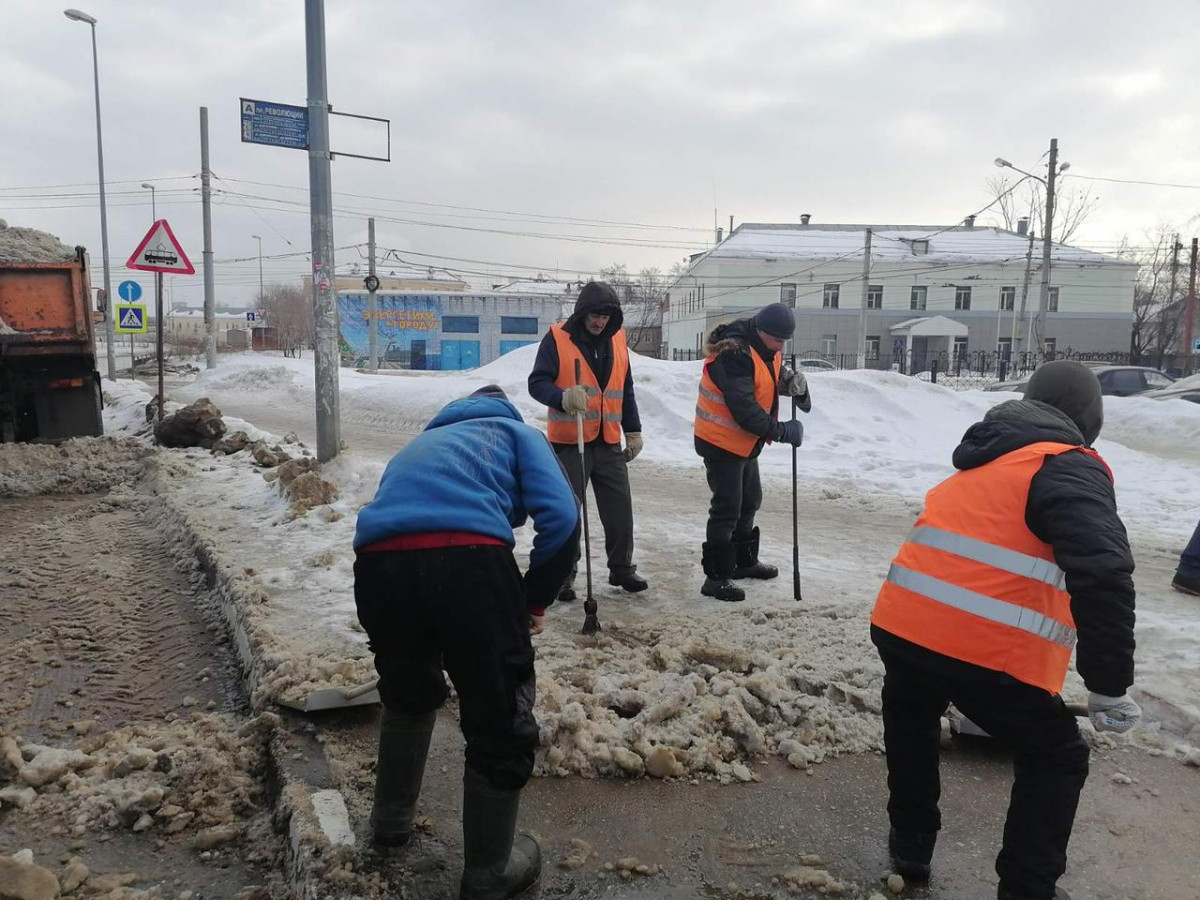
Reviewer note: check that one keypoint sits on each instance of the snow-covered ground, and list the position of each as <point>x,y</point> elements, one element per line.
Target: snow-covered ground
<point>678,683</point>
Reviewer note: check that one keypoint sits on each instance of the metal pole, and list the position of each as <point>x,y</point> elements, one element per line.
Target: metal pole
<point>1189,318</point>
<point>158,314</point>
<point>1166,309</point>
<point>862,313</point>
<point>1039,329</point>
<point>320,191</point>
<point>373,302</point>
<point>210,310</point>
<point>110,331</point>
<point>1018,338</point>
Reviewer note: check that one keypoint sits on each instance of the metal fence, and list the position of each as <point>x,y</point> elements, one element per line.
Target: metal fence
<point>974,369</point>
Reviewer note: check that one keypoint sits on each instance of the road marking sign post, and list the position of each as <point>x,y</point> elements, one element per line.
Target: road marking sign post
<point>131,318</point>
<point>251,317</point>
<point>130,292</point>
<point>158,252</point>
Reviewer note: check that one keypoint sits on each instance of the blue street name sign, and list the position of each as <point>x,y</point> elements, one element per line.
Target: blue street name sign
<point>276,124</point>
<point>129,291</point>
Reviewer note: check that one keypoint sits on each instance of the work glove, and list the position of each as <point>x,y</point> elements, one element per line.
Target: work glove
<point>633,445</point>
<point>792,383</point>
<point>575,399</point>
<point>1117,714</point>
<point>790,432</point>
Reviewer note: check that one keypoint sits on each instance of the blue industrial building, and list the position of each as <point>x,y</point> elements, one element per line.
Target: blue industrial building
<point>448,331</point>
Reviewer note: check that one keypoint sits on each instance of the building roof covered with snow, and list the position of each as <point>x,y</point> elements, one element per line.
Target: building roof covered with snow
<point>540,286</point>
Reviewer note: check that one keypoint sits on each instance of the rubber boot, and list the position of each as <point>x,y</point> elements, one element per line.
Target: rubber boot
<point>718,561</point>
<point>747,565</point>
<point>496,866</point>
<point>403,746</point>
<point>1059,894</point>
<point>911,854</point>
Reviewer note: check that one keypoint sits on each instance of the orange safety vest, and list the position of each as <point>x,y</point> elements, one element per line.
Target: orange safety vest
<point>715,424</point>
<point>605,407</point>
<point>972,582</point>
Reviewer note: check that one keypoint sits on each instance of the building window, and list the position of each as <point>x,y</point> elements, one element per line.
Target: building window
<point>920,247</point>
<point>787,295</point>
<point>519,324</point>
<point>831,296</point>
<point>916,299</point>
<point>829,346</point>
<point>1052,300</point>
<point>875,296</point>
<point>960,348</point>
<point>1051,348</point>
<point>1008,298</point>
<point>461,324</point>
<point>962,297</point>
<point>872,346</point>
<point>1004,348</point>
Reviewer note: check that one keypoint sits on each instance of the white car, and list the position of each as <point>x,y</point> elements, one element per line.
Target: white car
<point>815,365</point>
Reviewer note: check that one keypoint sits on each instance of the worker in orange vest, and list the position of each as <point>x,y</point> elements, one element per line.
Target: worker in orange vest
<point>1016,558</point>
<point>736,415</point>
<point>603,395</point>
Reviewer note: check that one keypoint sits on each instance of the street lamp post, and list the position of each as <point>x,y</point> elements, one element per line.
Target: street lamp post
<point>153,204</point>
<point>1047,234</point>
<point>260,277</point>
<point>109,330</point>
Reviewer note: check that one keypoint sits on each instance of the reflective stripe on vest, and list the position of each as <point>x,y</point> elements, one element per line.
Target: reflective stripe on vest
<point>714,422</point>
<point>983,606</point>
<point>605,411</point>
<point>1000,557</point>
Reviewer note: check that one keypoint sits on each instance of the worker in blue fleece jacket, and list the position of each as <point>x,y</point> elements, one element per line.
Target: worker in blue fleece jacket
<point>437,587</point>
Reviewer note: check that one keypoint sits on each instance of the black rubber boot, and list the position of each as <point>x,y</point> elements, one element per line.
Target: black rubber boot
<point>566,594</point>
<point>403,746</point>
<point>718,561</point>
<point>747,565</point>
<point>631,582</point>
<point>496,866</point>
<point>1186,583</point>
<point>1002,894</point>
<point>911,854</point>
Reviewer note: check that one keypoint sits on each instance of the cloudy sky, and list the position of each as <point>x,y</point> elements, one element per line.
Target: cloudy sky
<point>522,131</point>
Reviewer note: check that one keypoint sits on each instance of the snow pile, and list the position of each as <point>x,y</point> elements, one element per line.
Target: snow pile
<point>77,466</point>
<point>31,245</point>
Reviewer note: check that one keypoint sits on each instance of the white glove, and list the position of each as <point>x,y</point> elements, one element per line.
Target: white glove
<point>792,383</point>
<point>1117,714</point>
<point>575,399</point>
<point>633,445</point>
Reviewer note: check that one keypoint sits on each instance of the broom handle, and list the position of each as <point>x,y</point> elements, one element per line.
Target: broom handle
<point>587,543</point>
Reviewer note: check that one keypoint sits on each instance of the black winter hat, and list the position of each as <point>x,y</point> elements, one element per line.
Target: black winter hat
<point>596,297</point>
<point>1072,388</point>
<point>490,390</point>
<point>776,320</point>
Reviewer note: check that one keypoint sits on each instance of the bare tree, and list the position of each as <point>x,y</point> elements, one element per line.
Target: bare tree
<point>642,299</point>
<point>1020,197</point>
<point>285,309</point>
<point>1155,308</point>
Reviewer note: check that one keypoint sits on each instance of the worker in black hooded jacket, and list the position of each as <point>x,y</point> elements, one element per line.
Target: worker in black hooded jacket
<point>736,414</point>
<point>1016,558</point>
<point>593,342</point>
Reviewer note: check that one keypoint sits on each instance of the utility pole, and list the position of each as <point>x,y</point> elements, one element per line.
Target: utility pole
<point>210,313</point>
<point>1189,317</point>
<point>320,189</point>
<point>1039,324</point>
<point>862,312</point>
<point>1018,338</point>
<point>1165,311</point>
<point>372,300</point>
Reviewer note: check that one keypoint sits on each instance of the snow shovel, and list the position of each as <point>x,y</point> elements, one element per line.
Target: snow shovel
<point>337,698</point>
<point>795,513</point>
<point>960,724</point>
<point>591,624</point>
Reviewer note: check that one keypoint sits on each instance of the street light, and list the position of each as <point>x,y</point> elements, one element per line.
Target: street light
<point>153,208</point>
<point>260,277</point>
<point>109,331</point>
<point>1047,231</point>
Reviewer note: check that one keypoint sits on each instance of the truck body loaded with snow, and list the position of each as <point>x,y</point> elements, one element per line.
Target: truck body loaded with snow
<point>49,386</point>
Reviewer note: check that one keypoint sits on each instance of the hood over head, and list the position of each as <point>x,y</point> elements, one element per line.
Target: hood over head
<point>1012,425</point>
<point>477,406</point>
<point>597,297</point>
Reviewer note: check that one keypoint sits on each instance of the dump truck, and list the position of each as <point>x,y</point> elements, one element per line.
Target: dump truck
<point>49,386</point>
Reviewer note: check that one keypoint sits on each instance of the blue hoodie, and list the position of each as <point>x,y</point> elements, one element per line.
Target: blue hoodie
<point>477,467</point>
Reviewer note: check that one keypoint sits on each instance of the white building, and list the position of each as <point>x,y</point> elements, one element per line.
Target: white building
<point>930,289</point>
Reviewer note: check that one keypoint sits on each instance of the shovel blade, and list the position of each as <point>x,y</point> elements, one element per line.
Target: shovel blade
<point>336,698</point>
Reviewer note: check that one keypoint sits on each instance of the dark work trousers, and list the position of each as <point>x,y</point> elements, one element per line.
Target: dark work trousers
<point>461,609</point>
<point>736,497</point>
<point>1050,761</point>
<point>608,473</point>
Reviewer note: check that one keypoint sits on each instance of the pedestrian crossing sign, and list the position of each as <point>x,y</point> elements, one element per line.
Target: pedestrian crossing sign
<point>131,318</point>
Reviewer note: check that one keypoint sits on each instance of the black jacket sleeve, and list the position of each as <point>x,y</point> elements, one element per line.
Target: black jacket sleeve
<point>733,372</point>
<point>631,422</point>
<point>1073,508</point>
<point>545,370</point>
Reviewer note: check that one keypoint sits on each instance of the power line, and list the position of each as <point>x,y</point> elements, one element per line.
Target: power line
<point>1166,184</point>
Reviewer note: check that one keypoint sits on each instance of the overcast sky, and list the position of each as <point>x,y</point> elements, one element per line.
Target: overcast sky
<point>635,113</point>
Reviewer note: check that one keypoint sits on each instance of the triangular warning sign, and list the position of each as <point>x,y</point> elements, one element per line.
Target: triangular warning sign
<point>159,251</point>
<point>131,319</point>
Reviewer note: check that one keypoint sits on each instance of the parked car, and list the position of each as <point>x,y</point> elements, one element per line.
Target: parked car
<point>1115,381</point>
<point>1184,389</point>
<point>815,365</point>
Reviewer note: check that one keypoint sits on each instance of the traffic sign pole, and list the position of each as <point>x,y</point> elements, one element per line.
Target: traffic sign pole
<point>158,311</point>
